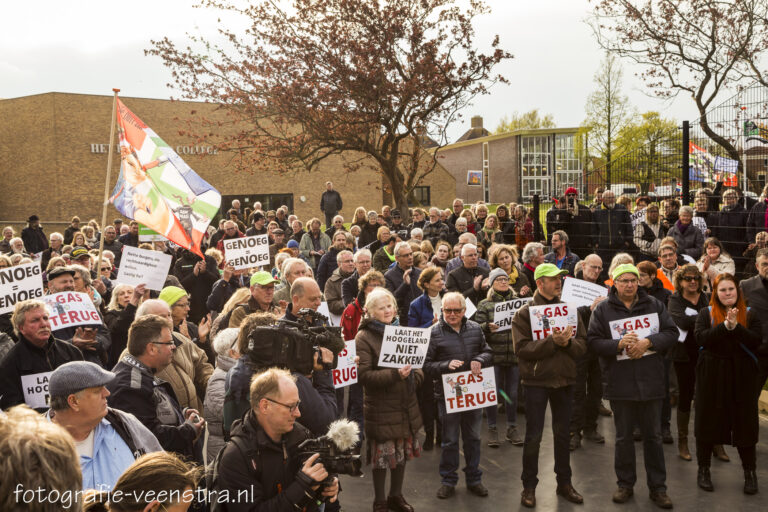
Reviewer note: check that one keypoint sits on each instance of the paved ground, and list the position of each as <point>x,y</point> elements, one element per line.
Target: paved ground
<point>593,477</point>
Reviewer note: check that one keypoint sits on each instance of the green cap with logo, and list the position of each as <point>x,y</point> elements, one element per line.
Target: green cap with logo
<point>263,278</point>
<point>626,268</point>
<point>548,270</point>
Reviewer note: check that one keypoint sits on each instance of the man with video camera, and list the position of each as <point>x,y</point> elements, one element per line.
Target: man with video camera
<point>260,468</point>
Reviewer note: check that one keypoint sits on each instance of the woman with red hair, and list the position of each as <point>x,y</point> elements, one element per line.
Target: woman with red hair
<point>729,334</point>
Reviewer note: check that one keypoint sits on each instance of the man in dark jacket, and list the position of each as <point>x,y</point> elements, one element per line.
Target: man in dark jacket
<point>580,226</point>
<point>755,290</point>
<point>548,371</point>
<point>132,236</point>
<point>458,345</point>
<point>731,227</point>
<point>112,244</point>
<point>349,288</point>
<point>330,203</point>
<point>136,390</point>
<point>33,236</point>
<point>258,227</point>
<point>631,331</point>
<point>561,256</point>
<point>611,228</point>
<point>26,368</point>
<point>225,287</point>
<point>69,233</point>
<point>332,289</point>
<point>558,218</point>
<point>197,276</point>
<point>401,280</point>
<point>470,279</point>
<point>262,457</point>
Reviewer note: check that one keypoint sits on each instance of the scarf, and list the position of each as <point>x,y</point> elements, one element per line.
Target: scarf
<point>682,228</point>
<point>513,275</point>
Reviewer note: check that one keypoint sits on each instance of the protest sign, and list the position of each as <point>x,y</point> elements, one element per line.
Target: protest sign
<point>69,309</point>
<point>334,320</point>
<point>35,388</point>
<point>345,373</point>
<point>403,346</point>
<point>642,325</point>
<point>504,311</point>
<point>637,217</point>
<point>580,292</point>
<point>22,282</point>
<point>547,319</point>
<point>141,266</point>
<point>247,252</point>
<point>471,309</point>
<point>465,391</point>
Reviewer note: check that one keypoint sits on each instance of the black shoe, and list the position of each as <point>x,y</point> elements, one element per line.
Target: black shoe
<point>478,490</point>
<point>528,498</point>
<point>446,491</point>
<point>637,434</point>
<point>704,479</point>
<point>594,436</point>
<point>660,499</point>
<point>569,493</point>
<point>750,481</point>
<point>622,494</point>
<point>575,441</point>
<point>398,504</point>
<point>666,436</point>
<point>429,442</point>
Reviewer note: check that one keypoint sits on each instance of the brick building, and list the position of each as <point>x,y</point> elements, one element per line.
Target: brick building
<point>514,165</point>
<point>53,161</point>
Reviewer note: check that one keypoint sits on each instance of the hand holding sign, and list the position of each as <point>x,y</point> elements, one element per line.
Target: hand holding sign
<point>638,348</point>
<point>628,339</point>
<point>476,367</point>
<point>561,336</point>
<point>84,339</point>
<point>404,372</point>
<point>455,364</point>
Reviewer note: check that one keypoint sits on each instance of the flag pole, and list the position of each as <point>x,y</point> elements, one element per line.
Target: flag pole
<point>106,184</point>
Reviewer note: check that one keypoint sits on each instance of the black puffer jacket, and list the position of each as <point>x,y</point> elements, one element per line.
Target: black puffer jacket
<point>446,345</point>
<point>612,228</point>
<point>631,379</point>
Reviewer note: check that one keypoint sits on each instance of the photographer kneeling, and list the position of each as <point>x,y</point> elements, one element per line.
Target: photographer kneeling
<point>262,460</point>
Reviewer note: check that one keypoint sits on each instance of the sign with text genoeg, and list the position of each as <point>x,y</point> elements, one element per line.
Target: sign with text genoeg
<point>643,326</point>
<point>465,391</point>
<point>247,252</point>
<point>22,282</point>
<point>403,346</point>
<point>69,309</point>
<point>552,317</point>
<point>504,311</point>
<point>345,372</point>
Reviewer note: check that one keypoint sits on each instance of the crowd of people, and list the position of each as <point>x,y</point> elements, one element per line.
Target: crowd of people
<point>175,383</point>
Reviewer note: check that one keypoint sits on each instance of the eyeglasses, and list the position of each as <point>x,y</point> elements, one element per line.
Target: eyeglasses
<point>179,305</point>
<point>690,278</point>
<point>291,408</point>
<point>626,281</point>
<point>452,311</point>
<point>596,267</point>
<point>162,343</point>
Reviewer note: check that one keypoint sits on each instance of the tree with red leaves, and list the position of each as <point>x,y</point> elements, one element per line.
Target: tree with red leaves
<point>370,80</point>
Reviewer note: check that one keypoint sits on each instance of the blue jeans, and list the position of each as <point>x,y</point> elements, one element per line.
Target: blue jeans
<point>507,379</point>
<point>627,414</point>
<point>561,403</point>
<point>468,423</point>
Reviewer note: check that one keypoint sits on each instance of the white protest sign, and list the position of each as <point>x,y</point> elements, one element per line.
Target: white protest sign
<point>546,319</point>
<point>403,346</point>
<point>504,311</point>
<point>580,292</point>
<point>69,309</point>
<point>682,336</point>
<point>247,252</point>
<point>35,388</point>
<point>465,391</point>
<point>142,266</point>
<point>642,325</point>
<point>334,320</point>
<point>22,282</point>
<point>345,373</point>
<point>471,308</point>
<point>700,223</point>
<point>637,217</point>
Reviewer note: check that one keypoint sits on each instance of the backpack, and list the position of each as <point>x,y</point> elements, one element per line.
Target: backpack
<point>117,424</point>
<point>248,453</point>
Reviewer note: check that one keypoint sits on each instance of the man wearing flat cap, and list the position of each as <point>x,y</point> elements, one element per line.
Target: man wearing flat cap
<point>26,369</point>
<point>107,440</point>
<point>631,331</point>
<point>548,372</point>
<point>33,236</point>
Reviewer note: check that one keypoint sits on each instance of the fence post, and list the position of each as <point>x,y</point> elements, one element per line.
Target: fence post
<point>686,185</point>
<point>536,222</point>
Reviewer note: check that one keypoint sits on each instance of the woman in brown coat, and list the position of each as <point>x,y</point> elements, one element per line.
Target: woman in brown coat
<point>390,407</point>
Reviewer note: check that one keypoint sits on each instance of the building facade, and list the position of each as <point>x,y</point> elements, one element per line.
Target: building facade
<point>54,149</point>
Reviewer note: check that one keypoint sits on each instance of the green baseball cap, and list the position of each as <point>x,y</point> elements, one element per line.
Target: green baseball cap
<point>548,270</point>
<point>262,278</point>
<point>624,269</point>
<point>171,294</point>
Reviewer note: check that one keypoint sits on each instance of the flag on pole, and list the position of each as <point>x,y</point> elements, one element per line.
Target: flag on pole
<point>701,163</point>
<point>756,135</point>
<point>157,188</point>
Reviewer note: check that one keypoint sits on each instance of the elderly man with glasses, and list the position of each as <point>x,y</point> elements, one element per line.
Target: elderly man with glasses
<point>458,344</point>
<point>631,331</point>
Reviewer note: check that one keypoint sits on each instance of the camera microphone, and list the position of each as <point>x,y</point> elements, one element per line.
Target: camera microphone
<point>344,434</point>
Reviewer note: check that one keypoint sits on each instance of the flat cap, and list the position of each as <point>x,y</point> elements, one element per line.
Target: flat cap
<point>76,376</point>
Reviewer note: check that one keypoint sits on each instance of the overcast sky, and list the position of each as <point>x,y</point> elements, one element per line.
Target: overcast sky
<point>92,46</point>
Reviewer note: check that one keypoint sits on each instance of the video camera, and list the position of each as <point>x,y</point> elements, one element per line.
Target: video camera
<point>293,345</point>
<point>335,449</point>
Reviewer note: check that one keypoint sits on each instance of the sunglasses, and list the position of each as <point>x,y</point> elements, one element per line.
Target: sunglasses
<point>452,311</point>
<point>690,278</point>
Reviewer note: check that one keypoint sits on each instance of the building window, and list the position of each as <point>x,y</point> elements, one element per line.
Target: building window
<point>536,170</point>
<point>568,171</point>
<point>268,202</point>
<point>419,196</point>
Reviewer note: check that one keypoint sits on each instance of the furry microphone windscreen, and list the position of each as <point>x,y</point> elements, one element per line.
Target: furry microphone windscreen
<point>344,434</point>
